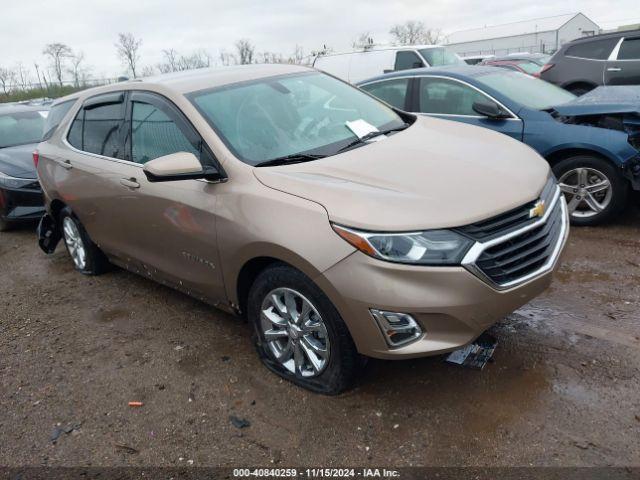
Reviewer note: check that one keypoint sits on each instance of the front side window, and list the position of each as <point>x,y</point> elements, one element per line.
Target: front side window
<point>439,95</point>
<point>438,57</point>
<point>96,129</point>
<point>406,60</point>
<point>595,50</point>
<point>394,92</point>
<point>630,49</point>
<point>21,128</point>
<point>289,114</point>
<point>525,89</point>
<point>154,134</point>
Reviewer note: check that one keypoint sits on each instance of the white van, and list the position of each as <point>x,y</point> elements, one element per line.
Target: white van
<point>356,66</point>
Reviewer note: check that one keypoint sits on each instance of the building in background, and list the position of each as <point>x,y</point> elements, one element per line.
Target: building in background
<point>541,35</point>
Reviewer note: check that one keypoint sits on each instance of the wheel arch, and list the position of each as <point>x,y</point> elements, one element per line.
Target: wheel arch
<point>562,153</point>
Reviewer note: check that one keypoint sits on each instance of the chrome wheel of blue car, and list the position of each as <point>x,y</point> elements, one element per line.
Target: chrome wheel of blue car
<point>588,191</point>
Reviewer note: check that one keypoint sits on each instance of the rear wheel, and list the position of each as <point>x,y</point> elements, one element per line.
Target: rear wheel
<point>299,334</point>
<point>594,189</point>
<point>87,257</point>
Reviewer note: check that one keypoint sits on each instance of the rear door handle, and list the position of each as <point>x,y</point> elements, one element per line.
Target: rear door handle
<point>66,164</point>
<point>129,182</point>
<point>614,69</point>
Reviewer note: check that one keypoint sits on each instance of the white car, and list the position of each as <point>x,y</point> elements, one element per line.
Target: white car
<point>356,66</point>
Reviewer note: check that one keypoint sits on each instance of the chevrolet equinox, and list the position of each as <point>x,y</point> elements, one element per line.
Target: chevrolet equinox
<point>339,227</point>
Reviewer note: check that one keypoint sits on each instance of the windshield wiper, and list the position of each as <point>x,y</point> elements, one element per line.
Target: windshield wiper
<point>289,159</point>
<point>370,135</point>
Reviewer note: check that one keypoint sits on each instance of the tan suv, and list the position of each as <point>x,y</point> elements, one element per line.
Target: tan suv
<point>338,226</point>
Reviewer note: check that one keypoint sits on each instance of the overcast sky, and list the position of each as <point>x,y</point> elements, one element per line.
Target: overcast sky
<point>272,25</point>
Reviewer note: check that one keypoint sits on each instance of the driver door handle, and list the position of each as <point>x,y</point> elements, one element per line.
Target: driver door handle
<point>129,182</point>
<point>614,69</point>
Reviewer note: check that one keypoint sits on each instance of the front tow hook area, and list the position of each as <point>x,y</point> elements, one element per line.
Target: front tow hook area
<point>48,234</point>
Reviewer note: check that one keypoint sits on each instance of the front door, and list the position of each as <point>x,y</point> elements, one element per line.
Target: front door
<point>453,100</point>
<point>170,227</point>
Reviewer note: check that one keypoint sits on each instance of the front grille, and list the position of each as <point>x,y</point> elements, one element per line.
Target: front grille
<point>525,253</point>
<point>509,221</point>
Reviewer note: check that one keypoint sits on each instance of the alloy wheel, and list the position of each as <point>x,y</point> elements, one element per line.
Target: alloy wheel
<point>74,242</point>
<point>294,332</point>
<point>588,191</point>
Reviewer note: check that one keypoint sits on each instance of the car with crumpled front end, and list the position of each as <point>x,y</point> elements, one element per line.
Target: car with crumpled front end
<point>340,227</point>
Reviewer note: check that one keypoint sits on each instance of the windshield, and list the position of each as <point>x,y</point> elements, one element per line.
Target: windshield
<point>21,128</point>
<point>526,90</point>
<point>440,56</point>
<point>285,115</point>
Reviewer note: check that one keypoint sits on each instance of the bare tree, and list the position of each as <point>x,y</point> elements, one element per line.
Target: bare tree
<point>227,58</point>
<point>415,33</point>
<point>22,76</point>
<point>175,62</point>
<point>7,77</point>
<point>363,40</point>
<point>127,47</point>
<point>246,51</point>
<point>77,69</point>
<point>57,53</point>
<point>148,71</point>
<point>298,56</point>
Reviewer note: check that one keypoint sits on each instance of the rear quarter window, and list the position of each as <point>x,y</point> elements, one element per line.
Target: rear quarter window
<point>593,50</point>
<point>56,114</point>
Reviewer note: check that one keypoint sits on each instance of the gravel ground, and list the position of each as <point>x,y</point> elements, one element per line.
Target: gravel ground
<point>564,388</point>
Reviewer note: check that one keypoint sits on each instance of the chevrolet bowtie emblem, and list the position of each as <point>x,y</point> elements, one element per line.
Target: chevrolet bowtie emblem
<point>538,210</point>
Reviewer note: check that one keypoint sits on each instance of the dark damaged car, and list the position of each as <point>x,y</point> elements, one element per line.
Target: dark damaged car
<point>592,142</point>
<point>21,129</point>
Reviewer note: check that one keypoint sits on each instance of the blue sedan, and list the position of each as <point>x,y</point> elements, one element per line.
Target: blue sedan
<point>591,142</point>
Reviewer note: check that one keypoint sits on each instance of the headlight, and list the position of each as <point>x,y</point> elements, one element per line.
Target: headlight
<point>431,247</point>
<point>14,182</point>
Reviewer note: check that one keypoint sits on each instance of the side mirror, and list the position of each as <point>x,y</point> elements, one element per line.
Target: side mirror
<point>178,166</point>
<point>490,109</point>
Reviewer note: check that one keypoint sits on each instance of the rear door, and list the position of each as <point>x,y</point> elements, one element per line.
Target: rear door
<point>86,174</point>
<point>169,228</point>
<point>453,100</point>
<point>623,67</point>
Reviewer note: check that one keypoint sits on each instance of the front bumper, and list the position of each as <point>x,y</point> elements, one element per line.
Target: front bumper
<point>452,304</point>
<point>21,204</point>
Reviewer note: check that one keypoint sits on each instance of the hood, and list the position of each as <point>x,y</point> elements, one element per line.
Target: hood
<point>604,100</point>
<point>18,161</point>
<point>435,174</point>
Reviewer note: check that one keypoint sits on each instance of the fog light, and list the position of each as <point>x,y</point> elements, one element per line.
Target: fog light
<point>398,328</point>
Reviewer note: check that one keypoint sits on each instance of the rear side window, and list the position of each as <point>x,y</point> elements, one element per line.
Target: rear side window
<point>406,60</point>
<point>394,92</point>
<point>97,129</point>
<point>630,49</point>
<point>154,134</point>
<point>594,50</point>
<point>56,114</point>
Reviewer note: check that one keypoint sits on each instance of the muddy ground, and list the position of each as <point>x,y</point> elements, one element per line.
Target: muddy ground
<point>564,388</point>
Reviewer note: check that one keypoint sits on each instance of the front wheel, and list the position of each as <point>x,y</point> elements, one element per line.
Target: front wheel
<point>299,334</point>
<point>594,189</point>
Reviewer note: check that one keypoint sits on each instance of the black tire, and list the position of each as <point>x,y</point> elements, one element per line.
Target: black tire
<point>619,186</point>
<point>96,262</point>
<point>580,89</point>
<point>344,360</point>
<point>5,226</point>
